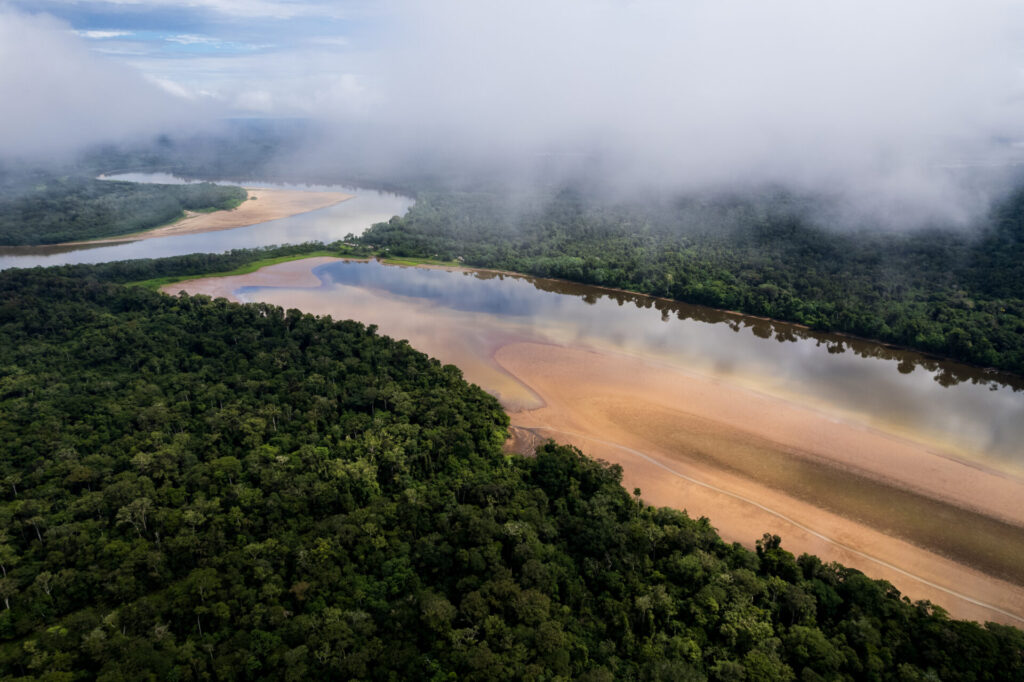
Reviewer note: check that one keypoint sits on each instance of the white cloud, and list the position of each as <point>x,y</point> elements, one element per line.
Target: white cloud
<point>298,82</point>
<point>864,94</point>
<point>58,94</point>
<point>275,9</point>
<point>331,41</point>
<point>103,35</point>
<point>173,88</point>
<point>192,39</point>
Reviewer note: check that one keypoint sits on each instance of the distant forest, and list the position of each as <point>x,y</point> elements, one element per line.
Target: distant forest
<point>954,294</point>
<point>46,208</point>
<point>192,489</point>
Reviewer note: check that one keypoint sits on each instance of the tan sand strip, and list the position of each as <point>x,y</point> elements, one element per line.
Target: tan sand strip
<point>261,206</point>
<point>295,273</point>
<point>582,389</point>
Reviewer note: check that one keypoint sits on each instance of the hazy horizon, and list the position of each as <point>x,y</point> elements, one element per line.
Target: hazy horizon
<point>879,105</point>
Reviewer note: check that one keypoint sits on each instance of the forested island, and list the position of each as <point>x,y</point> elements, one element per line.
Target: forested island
<point>193,489</point>
<point>45,207</point>
<point>949,292</point>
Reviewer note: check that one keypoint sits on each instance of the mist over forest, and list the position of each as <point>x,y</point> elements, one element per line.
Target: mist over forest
<point>901,116</point>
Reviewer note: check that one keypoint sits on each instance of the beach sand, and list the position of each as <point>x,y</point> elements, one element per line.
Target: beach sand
<point>655,422</point>
<point>294,273</point>
<point>261,206</point>
<point>937,527</point>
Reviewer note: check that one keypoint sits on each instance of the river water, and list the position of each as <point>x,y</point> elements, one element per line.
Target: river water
<point>329,224</point>
<point>959,409</point>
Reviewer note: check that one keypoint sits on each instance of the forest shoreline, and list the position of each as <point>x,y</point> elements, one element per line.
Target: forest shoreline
<point>918,572</point>
<point>1011,377</point>
<point>261,205</point>
<point>1006,376</point>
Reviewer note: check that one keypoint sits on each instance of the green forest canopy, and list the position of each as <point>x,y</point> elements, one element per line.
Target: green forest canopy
<point>193,489</point>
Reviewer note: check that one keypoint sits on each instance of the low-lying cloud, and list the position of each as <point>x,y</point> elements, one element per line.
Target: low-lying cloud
<point>877,101</point>
<point>910,111</point>
<point>58,97</point>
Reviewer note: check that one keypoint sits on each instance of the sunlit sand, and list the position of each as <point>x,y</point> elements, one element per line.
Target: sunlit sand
<point>658,422</point>
<point>261,206</point>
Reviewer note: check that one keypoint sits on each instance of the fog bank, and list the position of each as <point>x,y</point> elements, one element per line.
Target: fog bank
<point>901,114</point>
<point>59,97</point>
<point>884,103</point>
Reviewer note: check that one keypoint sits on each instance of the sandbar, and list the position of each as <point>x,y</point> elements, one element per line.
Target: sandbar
<point>295,273</point>
<point>262,205</point>
<point>936,527</point>
<point>657,423</point>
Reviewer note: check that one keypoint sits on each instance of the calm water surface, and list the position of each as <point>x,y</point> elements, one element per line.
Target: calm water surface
<point>956,407</point>
<point>329,224</point>
<point>959,408</point>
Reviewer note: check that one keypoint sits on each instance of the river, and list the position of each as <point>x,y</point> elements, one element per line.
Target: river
<point>968,410</point>
<point>904,466</point>
<point>330,224</point>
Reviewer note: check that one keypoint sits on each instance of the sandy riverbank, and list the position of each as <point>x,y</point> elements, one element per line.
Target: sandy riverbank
<point>663,425</point>
<point>750,462</point>
<point>294,273</point>
<point>261,206</point>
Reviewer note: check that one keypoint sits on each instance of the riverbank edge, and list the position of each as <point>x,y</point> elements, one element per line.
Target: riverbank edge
<point>1013,379</point>
<point>945,450</point>
<point>308,278</point>
<point>134,236</point>
<point>335,199</point>
<point>157,283</point>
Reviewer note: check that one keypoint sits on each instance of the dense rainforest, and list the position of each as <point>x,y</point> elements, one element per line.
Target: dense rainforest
<point>192,489</point>
<point>42,207</point>
<point>958,294</point>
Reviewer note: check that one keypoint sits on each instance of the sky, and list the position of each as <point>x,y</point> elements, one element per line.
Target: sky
<point>875,99</point>
<point>249,57</point>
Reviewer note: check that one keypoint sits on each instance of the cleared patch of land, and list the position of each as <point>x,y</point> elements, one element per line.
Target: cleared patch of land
<point>261,206</point>
<point>936,527</point>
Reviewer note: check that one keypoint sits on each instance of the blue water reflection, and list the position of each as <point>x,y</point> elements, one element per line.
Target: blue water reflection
<point>965,407</point>
<point>505,296</point>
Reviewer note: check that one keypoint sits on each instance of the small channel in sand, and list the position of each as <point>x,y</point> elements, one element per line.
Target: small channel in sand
<point>904,466</point>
